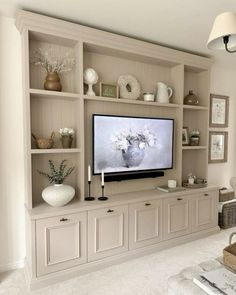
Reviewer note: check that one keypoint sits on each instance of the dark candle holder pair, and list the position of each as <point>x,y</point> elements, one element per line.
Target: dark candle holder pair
<point>89,198</point>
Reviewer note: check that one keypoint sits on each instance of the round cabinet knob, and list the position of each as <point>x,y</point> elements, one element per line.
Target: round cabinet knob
<point>206,195</point>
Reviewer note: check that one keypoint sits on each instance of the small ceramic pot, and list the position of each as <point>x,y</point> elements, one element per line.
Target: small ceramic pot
<point>52,82</point>
<point>66,142</point>
<point>194,141</point>
<point>148,96</point>
<point>191,98</point>
<point>58,195</point>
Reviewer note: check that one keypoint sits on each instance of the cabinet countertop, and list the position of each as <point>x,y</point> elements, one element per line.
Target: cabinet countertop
<point>44,210</point>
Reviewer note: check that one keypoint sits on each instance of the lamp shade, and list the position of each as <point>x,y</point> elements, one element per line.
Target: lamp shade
<point>224,25</point>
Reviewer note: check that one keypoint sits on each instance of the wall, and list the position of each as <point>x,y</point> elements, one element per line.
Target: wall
<point>12,246</point>
<point>12,249</point>
<point>223,82</point>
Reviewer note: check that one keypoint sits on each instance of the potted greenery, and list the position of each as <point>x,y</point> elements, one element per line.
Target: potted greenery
<point>194,137</point>
<point>58,194</point>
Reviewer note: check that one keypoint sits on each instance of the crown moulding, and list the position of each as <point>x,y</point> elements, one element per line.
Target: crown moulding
<point>29,21</point>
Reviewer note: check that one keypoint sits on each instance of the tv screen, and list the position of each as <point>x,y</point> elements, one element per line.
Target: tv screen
<point>127,144</point>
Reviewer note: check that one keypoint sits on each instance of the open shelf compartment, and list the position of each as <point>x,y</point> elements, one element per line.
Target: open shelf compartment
<point>59,48</point>
<point>111,63</point>
<point>39,182</point>
<point>197,79</point>
<point>49,114</point>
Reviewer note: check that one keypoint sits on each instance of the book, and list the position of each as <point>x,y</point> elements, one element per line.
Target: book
<point>167,189</point>
<point>217,282</point>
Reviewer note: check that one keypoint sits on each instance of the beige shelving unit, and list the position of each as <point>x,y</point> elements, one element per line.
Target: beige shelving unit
<point>110,55</point>
<point>186,216</point>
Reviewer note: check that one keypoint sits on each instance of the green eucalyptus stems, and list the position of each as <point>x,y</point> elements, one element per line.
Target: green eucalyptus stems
<point>58,175</point>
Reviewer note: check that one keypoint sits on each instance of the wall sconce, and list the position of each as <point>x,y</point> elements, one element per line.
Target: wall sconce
<point>223,33</point>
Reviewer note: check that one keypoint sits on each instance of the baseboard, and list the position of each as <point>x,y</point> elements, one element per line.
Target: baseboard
<point>12,265</point>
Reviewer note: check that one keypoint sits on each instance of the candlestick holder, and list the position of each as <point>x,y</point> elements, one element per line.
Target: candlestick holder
<point>103,198</point>
<point>89,198</point>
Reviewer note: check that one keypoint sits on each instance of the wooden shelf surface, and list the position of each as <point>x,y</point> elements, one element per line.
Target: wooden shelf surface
<point>130,101</point>
<point>193,107</point>
<point>55,151</point>
<point>194,147</point>
<point>56,94</point>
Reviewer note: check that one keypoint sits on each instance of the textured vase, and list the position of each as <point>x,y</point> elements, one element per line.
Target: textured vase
<point>191,98</point>
<point>133,156</point>
<point>66,142</point>
<point>52,82</point>
<point>58,195</point>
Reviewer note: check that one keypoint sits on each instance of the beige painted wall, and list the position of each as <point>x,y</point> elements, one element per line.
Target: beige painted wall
<point>223,81</point>
<point>11,146</point>
<point>12,246</point>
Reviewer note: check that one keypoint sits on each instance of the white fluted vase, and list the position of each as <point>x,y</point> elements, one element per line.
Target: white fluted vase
<point>58,195</point>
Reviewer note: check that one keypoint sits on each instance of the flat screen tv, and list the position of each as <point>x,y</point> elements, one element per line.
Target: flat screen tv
<point>123,144</point>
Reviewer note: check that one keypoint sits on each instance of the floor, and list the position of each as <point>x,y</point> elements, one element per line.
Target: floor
<point>143,276</point>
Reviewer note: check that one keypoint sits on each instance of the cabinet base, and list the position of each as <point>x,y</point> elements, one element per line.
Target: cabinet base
<point>40,282</point>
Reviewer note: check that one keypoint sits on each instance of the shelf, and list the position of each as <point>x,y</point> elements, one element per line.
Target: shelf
<point>130,101</point>
<point>55,94</point>
<point>194,147</point>
<point>55,151</point>
<point>197,108</point>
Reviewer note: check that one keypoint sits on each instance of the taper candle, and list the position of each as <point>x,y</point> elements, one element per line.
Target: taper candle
<point>102,177</point>
<point>89,173</point>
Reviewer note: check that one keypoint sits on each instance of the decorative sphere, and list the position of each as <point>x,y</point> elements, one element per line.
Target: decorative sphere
<point>90,76</point>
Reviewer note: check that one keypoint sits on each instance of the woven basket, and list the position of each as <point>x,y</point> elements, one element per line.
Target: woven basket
<point>226,195</point>
<point>44,143</point>
<point>227,218</point>
<point>229,253</point>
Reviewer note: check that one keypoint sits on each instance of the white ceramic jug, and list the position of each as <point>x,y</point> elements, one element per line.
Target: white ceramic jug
<point>164,93</point>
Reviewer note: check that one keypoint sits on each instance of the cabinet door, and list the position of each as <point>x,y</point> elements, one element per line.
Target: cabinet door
<point>107,232</point>
<point>145,226</point>
<point>176,217</point>
<point>61,242</point>
<point>205,210</point>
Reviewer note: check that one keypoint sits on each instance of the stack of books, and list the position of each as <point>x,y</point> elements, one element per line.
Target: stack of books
<point>217,282</point>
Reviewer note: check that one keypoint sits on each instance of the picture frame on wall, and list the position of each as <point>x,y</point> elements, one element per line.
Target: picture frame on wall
<point>218,147</point>
<point>185,136</point>
<point>219,111</point>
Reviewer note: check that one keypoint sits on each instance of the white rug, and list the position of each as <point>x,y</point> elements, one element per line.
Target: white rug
<point>143,276</point>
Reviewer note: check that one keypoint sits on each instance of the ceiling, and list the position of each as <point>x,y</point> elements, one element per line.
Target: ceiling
<point>181,24</point>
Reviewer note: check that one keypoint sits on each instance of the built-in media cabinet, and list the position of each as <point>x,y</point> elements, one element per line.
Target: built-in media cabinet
<point>137,219</point>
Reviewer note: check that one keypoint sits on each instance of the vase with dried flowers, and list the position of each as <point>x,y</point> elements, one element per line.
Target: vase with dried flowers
<point>67,136</point>
<point>53,65</point>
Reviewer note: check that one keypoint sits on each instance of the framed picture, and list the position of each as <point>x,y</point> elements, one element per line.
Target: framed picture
<point>219,110</point>
<point>218,147</point>
<point>185,136</point>
<point>109,90</point>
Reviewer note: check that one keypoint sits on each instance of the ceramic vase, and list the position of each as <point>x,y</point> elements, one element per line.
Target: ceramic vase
<point>191,98</point>
<point>58,195</point>
<point>133,156</point>
<point>52,82</point>
<point>66,142</point>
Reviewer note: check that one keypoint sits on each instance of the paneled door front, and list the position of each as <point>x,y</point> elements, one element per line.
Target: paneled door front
<point>176,217</point>
<point>107,232</point>
<point>61,242</point>
<point>145,223</point>
<point>204,207</point>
